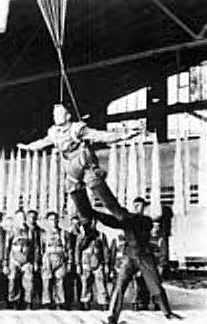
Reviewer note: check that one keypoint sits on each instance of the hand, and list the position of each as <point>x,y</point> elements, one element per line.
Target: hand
<point>69,267</point>
<point>36,268</point>
<point>112,275</point>
<point>106,270</point>
<point>79,269</point>
<point>55,150</point>
<point>23,146</point>
<point>5,270</point>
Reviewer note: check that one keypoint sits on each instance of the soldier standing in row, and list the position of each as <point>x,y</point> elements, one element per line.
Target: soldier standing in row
<point>2,242</point>
<point>34,233</point>
<point>92,264</point>
<point>3,281</point>
<point>54,262</point>
<point>18,261</point>
<point>73,279</point>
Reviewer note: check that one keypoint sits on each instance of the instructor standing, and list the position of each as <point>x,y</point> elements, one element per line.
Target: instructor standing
<point>137,257</point>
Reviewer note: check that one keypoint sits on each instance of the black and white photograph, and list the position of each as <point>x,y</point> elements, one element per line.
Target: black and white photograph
<point>103,161</point>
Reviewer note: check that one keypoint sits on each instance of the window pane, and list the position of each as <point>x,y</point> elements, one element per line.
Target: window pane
<point>172,89</point>
<point>175,123</point>
<point>183,79</point>
<point>184,122</point>
<point>142,99</point>
<point>112,108</point>
<point>195,83</point>
<point>195,125</point>
<point>131,104</point>
<point>183,94</point>
<point>204,80</point>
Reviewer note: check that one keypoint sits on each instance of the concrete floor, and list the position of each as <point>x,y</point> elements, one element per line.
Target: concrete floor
<point>190,304</point>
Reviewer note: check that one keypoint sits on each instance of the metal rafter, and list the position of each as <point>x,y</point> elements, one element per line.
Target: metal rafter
<point>107,63</point>
<point>177,20</point>
<point>197,115</point>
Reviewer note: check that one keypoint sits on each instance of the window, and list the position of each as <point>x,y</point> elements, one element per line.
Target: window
<point>195,84</point>
<point>186,87</point>
<point>183,122</point>
<point>183,87</point>
<point>178,88</point>
<point>134,101</point>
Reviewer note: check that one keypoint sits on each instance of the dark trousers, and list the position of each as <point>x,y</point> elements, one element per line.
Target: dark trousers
<point>146,264</point>
<point>72,286</point>
<point>101,191</point>
<point>142,297</point>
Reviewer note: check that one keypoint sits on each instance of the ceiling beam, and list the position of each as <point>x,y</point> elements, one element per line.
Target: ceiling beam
<point>106,63</point>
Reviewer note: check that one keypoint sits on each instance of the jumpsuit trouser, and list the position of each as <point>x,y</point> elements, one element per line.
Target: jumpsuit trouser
<point>83,171</point>
<point>53,269</point>
<point>89,278</point>
<point>145,263</point>
<point>25,271</point>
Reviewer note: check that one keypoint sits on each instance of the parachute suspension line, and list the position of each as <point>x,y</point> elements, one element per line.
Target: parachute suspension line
<point>54,14</point>
<point>61,87</point>
<point>45,10</point>
<point>61,22</point>
<point>62,17</point>
<point>67,84</point>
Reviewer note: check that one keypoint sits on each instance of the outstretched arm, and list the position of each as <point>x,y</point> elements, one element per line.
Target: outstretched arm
<point>95,135</point>
<point>37,145</point>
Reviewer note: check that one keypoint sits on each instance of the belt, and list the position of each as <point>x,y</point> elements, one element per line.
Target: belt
<point>54,250</point>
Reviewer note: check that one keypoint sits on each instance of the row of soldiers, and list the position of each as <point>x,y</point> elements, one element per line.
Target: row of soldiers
<point>51,266</point>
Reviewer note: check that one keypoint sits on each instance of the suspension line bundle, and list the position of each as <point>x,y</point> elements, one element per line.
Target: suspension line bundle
<point>54,14</point>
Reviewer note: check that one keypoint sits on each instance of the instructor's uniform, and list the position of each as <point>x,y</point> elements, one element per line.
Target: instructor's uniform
<point>137,256</point>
